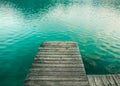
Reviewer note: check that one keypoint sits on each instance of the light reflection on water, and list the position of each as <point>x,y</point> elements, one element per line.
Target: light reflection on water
<point>23,27</point>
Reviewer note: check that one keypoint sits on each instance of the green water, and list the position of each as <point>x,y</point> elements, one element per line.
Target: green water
<point>24,25</point>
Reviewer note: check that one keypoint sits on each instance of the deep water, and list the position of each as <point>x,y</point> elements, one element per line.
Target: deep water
<point>25,24</point>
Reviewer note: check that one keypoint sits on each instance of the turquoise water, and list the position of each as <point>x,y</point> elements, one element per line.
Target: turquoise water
<point>24,25</point>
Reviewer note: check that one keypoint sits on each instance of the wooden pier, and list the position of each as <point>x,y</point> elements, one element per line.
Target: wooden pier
<point>57,64</point>
<point>60,64</point>
<point>104,80</point>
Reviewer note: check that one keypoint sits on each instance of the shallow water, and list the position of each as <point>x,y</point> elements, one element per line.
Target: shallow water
<point>94,24</point>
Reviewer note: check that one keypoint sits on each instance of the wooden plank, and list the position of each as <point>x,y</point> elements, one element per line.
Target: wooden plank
<point>57,64</point>
<point>57,69</point>
<point>53,78</point>
<point>98,81</point>
<point>59,48</point>
<point>55,83</point>
<point>59,43</point>
<point>118,75</point>
<point>104,80</point>
<point>58,58</point>
<point>117,79</point>
<point>91,81</point>
<point>111,80</point>
<point>46,61</point>
<point>59,53</point>
<point>49,73</point>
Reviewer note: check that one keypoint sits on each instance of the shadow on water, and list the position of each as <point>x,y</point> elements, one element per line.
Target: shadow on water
<point>34,6</point>
<point>31,6</point>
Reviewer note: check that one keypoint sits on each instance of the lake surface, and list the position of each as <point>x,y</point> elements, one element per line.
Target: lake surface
<point>24,25</point>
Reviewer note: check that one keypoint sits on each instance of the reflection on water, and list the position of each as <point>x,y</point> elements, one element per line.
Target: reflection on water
<point>94,24</point>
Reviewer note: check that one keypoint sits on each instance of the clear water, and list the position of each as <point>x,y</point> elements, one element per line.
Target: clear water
<point>24,25</point>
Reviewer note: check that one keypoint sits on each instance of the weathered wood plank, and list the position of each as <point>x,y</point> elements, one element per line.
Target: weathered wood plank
<point>98,81</point>
<point>58,56</point>
<point>57,69</point>
<point>57,64</point>
<point>59,53</point>
<point>91,81</point>
<point>49,73</point>
<point>59,48</point>
<point>52,78</point>
<point>57,59</point>
<point>59,43</point>
<point>104,80</point>
<point>46,61</point>
<point>55,83</point>
<point>117,79</point>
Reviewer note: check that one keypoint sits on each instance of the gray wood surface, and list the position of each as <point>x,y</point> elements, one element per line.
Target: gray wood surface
<point>57,64</point>
<point>104,80</point>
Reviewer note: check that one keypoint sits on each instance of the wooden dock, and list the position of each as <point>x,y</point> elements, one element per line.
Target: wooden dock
<point>60,64</point>
<point>57,64</point>
<point>104,80</point>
